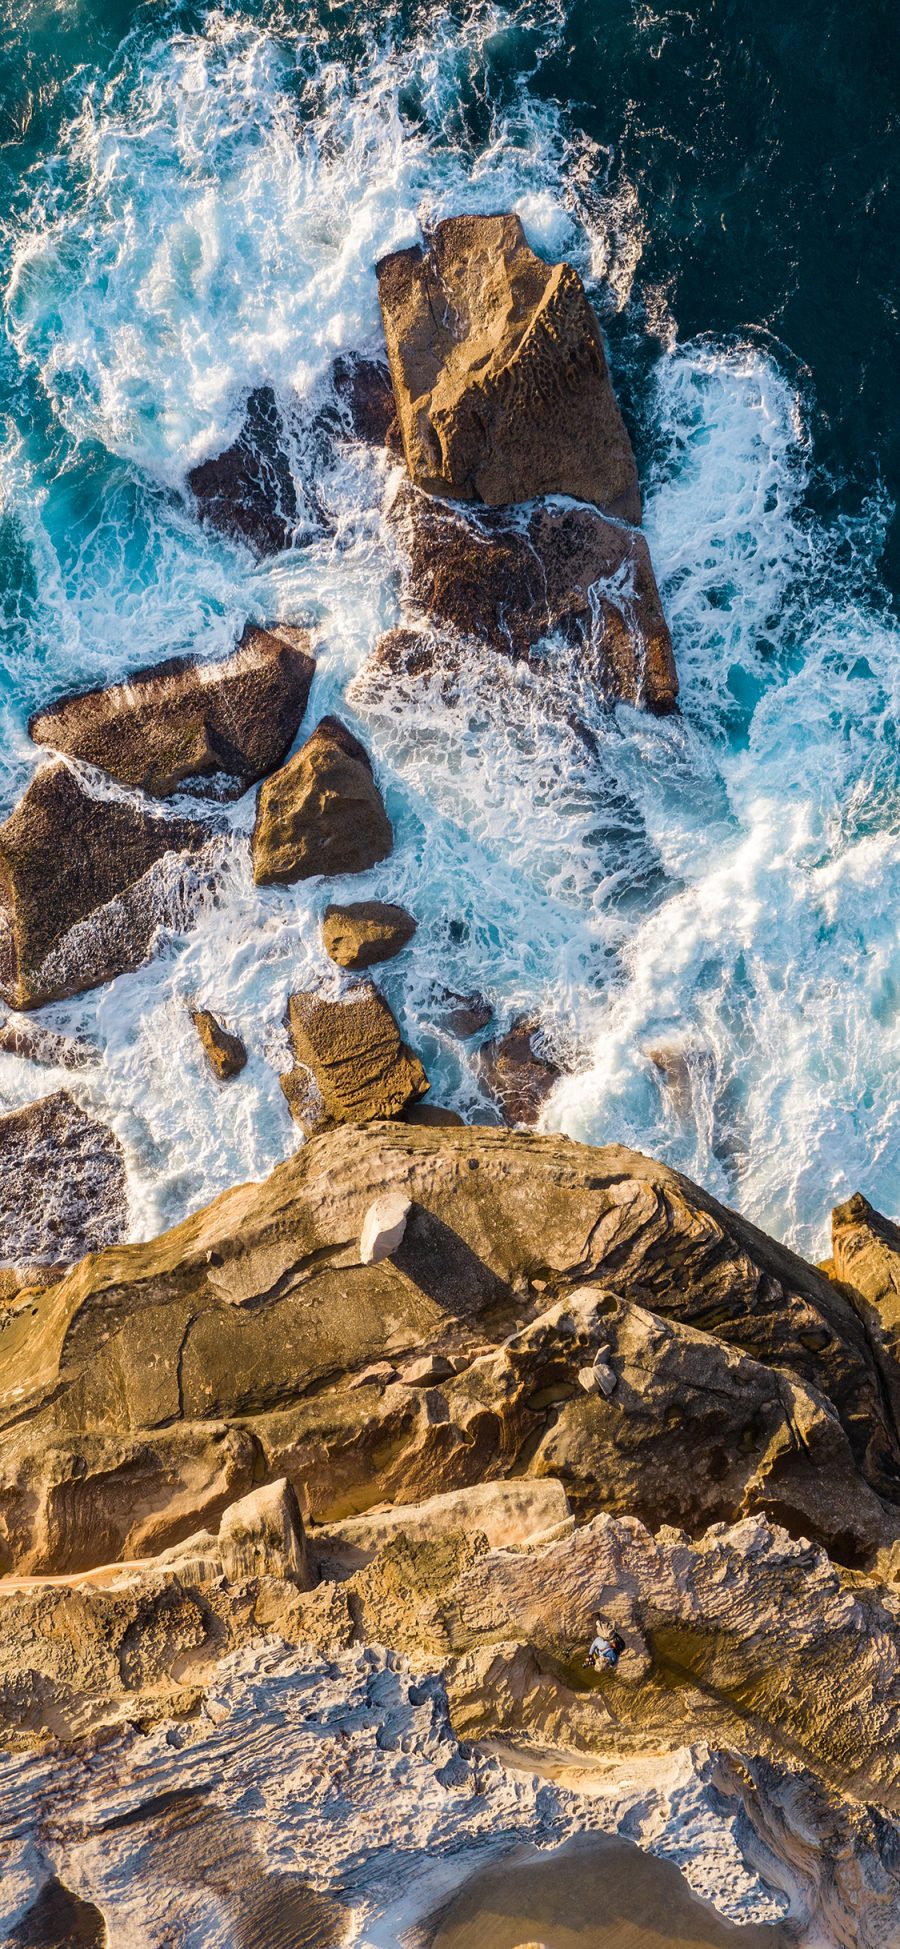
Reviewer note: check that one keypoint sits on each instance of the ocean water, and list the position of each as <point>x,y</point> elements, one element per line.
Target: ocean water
<point>192,200</point>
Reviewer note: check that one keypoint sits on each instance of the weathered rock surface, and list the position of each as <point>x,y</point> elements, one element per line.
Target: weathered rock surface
<point>866,1249</point>
<point>517,1073</point>
<point>463,1015</point>
<point>182,721</point>
<point>35,1043</point>
<point>158,1381</point>
<point>383,1228</point>
<point>499,372</point>
<point>322,813</point>
<point>248,490</point>
<point>366,932</point>
<point>351,1063</point>
<point>79,898</point>
<point>63,1189</point>
<point>224,1051</point>
<point>364,392</point>
<point>508,579</point>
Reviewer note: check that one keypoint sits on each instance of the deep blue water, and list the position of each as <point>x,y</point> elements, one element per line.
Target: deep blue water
<point>192,200</point>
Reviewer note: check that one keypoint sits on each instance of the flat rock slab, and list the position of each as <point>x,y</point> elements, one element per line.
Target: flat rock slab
<point>322,813</point>
<point>510,579</point>
<point>63,1190</point>
<point>78,903</point>
<point>366,932</point>
<point>248,490</point>
<point>499,371</point>
<point>352,1065</point>
<point>183,721</point>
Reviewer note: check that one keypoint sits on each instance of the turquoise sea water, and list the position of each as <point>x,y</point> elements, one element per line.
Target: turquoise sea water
<point>191,202</point>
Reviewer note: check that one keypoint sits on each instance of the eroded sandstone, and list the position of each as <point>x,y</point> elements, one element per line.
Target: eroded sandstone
<point>322,813</point>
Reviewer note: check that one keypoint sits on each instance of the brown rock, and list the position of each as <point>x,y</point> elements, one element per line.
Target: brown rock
<point>508,582</point>
<point>463,1015</point>
<point>248,490</point>
<point>63,1189</point>
<point>866,1248</point>
<point>68,858</point>
<point>517,1075</point>
<point>352,1049</point>
<point>434,1115</point>
<point>34,1043</point>
<point>368,931</point>
<point>364,391</point>
<point>499,372</point>
<point>225,1052</point>
<point>322,813</point>
<point>181,721</point>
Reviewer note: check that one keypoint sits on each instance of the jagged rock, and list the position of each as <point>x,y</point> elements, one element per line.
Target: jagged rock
<point>508,579</point>
<point>34,1043</point>
<point>79,901</point>
<point>366,932</point>
<point>248,490</point>
<point>499,372</point>
<point>463,1015</point>
<point>363,390</point>
<point>161,1379</point>
<point>429,1370</point>
<point>383,1228</point>
<point>322,813</point>
<point>63,1189</point>
<point>183,720</point>
<point>224,1051</point>
<point>866,1249</point>
<point>351,1064</point>
<point>516,1073</point>
<point>262,1536</point>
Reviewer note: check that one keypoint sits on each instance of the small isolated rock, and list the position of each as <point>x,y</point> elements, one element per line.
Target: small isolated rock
<point>262,1535</point>
<point>248,490</point>
<point>225,1052</point>
<point>322,813</point>
<point>427,1371</point>
<point>499,371</point>
<point>517,1074</point>
<point>63,1189</point>
<point>184,720</point>
<point>66,858</point>
<point>369,931</point>
<point>383,1227</point>
<point>352,1053</point>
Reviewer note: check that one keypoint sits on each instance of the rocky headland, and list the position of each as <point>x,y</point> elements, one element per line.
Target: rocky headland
<point>309,1505</point>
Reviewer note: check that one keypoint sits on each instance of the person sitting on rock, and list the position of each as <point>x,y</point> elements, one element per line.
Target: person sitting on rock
<point>607,1647</point>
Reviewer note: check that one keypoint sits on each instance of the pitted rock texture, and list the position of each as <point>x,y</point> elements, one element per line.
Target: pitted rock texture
<point>80,900</point>
<point>63,1188</point>
<point>499,372</point>
<point>351,1064</point>
<point>224,1051</point>
<point>507,579</point>
<point>179,722</point>
<point>248,490</point>
<point>159,1381</point>
<point>322,813</point>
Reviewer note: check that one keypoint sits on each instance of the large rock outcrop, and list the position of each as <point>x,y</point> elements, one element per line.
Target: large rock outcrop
<point>866,1248</point>
<point>322,813</point>
<point>499,372</point>
<point>63,1189</point>
<point>160,1380</point>
<point>351,1064</point>
<point>248,489</point>
<point>80,900</point>
<point>507,580</point>
<point>176,723</point>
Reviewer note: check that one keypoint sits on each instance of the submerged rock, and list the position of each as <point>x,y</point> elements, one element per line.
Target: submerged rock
<point>351,1063</point>
<point>224,1052</point>
<point>181,721</point>
<point>34,1043</point>
<point>63,1189</point>
<point>322,813</point>
<point>516,1072</point>
<point>363,390</point>
<point>509,579</point>
<point>369,931</point>
<point>79,902</point>
<point>500,376</point>
<point>248,490</point>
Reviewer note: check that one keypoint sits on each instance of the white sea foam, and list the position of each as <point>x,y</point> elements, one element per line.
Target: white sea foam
<point>718,887</point>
